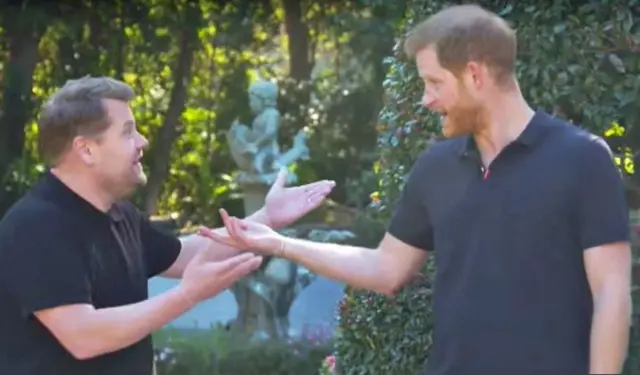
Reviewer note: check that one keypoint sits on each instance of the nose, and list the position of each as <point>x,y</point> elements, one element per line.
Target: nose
<point>141,141</point>
<point>428,98</point>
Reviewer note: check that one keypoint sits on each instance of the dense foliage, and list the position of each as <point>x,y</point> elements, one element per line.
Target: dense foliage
<point>579,60</point>
<point>220,352</point>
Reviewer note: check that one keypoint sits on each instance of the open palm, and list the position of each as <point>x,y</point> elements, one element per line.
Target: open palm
<point>284,206</point>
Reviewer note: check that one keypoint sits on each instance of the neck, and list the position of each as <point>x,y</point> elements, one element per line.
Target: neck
<point>85,187</point>
<point>507,117</point>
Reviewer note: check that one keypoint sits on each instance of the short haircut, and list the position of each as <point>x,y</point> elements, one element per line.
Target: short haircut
<point>77,108</point>
<point>464,33</point>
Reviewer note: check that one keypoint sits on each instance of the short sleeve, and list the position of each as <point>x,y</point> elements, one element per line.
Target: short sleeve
<point>603,215</point>
<point>410,222</point>
<point>40,264</point>
<point>160,249</point>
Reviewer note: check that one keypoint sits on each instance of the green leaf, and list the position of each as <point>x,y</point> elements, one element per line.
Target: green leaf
<point>617,63</point>
<point>560,28</point>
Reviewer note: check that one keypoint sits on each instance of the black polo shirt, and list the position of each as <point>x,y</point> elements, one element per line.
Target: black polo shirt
<point>57,249</point>
<point>511,293</point>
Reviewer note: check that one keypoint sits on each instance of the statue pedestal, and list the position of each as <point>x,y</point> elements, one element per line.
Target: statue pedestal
<point>254,315</point>
<point>254,196</point>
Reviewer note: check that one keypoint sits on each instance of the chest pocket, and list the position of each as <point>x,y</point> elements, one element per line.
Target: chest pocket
<point>116,266</point>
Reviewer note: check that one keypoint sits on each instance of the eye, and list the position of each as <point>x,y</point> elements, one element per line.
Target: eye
<point>432,82</point>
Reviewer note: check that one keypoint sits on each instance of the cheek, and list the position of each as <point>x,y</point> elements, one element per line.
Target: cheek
<point>449,103</point>
<point>448,97</point>
<point>119,152</point>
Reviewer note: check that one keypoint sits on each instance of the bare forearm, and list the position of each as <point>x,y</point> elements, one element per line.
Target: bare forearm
<point>610,332</point>
<point>110,329</point>
<point>356,266</point>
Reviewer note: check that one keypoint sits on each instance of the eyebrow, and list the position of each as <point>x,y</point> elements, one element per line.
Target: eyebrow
<point>432,78</point>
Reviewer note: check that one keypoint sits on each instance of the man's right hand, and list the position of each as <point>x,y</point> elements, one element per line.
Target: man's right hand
<point>204,278</point>
<point>244,234</point>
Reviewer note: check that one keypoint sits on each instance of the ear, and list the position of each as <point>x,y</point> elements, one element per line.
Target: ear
<point>475,75</point>
<point>82,147</point>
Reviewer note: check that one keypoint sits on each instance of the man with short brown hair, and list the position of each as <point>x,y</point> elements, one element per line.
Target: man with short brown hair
<point>75,256</point>
<point>74,109</point>
<point>525,213</point>
<point>467,33</point>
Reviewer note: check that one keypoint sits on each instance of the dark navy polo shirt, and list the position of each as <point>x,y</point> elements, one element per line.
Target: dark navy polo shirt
<point>57,249</point>
<point>511,293</point>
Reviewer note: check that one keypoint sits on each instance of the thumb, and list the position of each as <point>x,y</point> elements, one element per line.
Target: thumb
<point>281,180</point>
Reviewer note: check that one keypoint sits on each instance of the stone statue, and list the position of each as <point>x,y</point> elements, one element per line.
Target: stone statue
<point>255,149</point>
<point>265,297</point>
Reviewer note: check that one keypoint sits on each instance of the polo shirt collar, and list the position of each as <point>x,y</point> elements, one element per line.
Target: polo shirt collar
<point>70,200</point>
<point>532,133</point>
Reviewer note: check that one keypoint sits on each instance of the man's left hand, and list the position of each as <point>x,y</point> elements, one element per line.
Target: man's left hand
<point>286,205</point>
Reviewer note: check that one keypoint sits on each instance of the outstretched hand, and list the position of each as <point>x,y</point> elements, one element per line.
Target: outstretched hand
<point>243,235</point>
<point>284,206</point>
<point>204,277</point>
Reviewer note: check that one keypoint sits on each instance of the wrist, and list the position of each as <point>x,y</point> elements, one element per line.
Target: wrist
<point>186,297</point>
<point>261,217</point>
<point>280,247</point>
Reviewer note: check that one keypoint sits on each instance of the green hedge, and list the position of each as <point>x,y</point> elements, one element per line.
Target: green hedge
<point>219,352</point>
<point>388,335</point>
<point>577,60</point>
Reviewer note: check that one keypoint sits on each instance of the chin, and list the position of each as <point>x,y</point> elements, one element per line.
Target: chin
<point>129,189</point>
<point>452,131</point>
<point>448,132</point>
<point>141,180</point>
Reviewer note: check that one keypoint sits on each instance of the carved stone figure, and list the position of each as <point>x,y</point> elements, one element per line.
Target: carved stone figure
<point>266,296</point>
<point>255,149</point>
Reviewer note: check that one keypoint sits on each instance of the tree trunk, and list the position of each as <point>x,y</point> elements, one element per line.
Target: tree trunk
<point>23,32</point>
<point>170,129</point>
<point>300,54</point>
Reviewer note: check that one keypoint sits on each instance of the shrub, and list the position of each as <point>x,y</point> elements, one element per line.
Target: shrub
<point>274,358</point>
<point>385,335</point>
<point>220,352</point>
<point>576,60</point>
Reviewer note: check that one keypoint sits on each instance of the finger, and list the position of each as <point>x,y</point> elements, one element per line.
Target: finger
<point>217,235</point>
<point>224,215</point>
<point>319,185</point>
<point>224,239</point>
<point>232,262</point>
<point>234,229</point>
<point>316,199</point>
<point>281,180</point>
<point>243,269</point>
<point>238,232</point>
<point>226,220</point>
<point>204,232</point>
